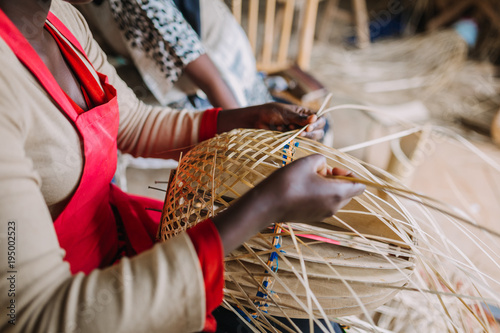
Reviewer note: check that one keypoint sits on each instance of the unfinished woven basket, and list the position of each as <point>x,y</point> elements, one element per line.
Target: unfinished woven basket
<point>347,264</point>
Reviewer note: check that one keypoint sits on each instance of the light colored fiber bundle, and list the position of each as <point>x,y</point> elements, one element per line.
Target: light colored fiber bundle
<point>386,242</point>
<point>331,268</point>
<point>392,71</point>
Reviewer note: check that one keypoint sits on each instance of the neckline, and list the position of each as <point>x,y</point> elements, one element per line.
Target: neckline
<point>34,64</point>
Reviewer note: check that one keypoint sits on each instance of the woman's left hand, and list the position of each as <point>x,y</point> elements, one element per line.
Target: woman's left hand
<point>272,116</point>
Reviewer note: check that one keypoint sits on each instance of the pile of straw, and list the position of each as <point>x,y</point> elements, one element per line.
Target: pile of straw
<point>392,71</point>
<point>431,68</point>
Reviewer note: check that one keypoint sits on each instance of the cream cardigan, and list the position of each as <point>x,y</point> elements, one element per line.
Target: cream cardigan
<point>161,290</point>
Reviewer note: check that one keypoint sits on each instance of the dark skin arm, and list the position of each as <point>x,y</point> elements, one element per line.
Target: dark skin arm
<point>268,116</point>
<point>299,192</point>
<point>205,75</point>
<point>272,116</point>
<point>274,199</point>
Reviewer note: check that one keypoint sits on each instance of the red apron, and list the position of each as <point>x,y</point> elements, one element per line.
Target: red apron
<point>87,229</point>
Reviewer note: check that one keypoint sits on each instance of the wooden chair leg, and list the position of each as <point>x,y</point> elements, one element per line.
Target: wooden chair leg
<point>253,24</point>
<point>362,23</point>
<point>307,34</point>
<point>267,51</point>
<point>323,33</point>
<point>286,31</point>
<point>495,129</point>
<point>236,9</point>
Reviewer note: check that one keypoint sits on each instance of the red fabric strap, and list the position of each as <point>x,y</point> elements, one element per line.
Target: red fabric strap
<point>208,126</point>
<point>207,243</point>
<point>66,33</point>
<point>92,91</point>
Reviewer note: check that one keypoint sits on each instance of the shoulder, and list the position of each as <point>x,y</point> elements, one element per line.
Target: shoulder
<point>72,19</point>
<point>21,96</point>
<point>12,86</point>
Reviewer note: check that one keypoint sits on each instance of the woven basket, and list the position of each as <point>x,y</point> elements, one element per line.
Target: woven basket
<point>355,260</point>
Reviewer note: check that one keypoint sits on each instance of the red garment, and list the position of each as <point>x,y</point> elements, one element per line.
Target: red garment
<point>86,228</point>
<point>91,89</point>
<point>209,121</point>
<point>211,255</point>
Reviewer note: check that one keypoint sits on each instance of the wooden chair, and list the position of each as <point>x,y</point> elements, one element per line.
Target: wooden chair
<point>281,34</point>
<point>278,30</point>
<point>278,22</point>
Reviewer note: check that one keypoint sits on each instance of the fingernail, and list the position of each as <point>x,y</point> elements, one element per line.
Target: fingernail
<point>312,118</point>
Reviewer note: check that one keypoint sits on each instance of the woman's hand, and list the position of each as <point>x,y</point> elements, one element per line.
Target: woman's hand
<point>303,193</point>
<point>299,192</point>
<point>272,116</point>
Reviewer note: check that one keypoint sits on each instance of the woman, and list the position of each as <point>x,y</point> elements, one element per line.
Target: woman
<point>70,234</point>
<point>175,57</point>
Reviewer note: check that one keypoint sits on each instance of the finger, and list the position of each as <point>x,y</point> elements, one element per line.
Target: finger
<point>274,124</point>
<point>320,165</point>
<point>314,135</point>
<point>341,172</point>
<point>300,119</point>
<point>355,189</point>
<point>317,124</point>
<point>297,109</point>
<point>316,162</point>
<point>312,119</point>
<point>343,203</point>
<point>324,170</point>
<point>271,121</point>
<point>348,188</point>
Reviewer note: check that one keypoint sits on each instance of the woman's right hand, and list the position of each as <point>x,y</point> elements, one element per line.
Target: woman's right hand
<point>302,192</point>
<point>299,192</point>
<point>273,116</point>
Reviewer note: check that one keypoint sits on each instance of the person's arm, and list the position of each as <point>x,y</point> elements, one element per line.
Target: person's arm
<point>144,130</point>
<point>298,192</point>
<point>149,292</point>
<point>152,291</point>
<point>164,132</point>
<point>179,48</point>
<point>272,116</point>
<point>205,75</point>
